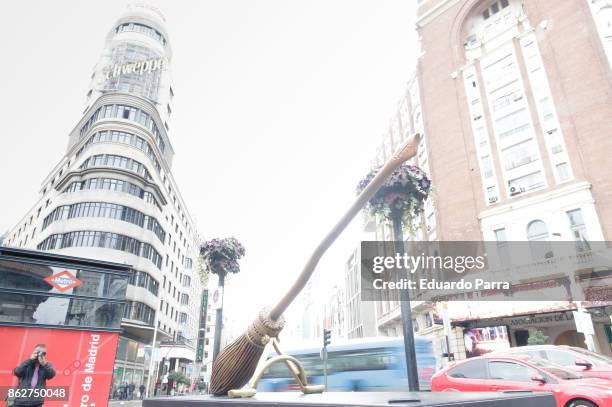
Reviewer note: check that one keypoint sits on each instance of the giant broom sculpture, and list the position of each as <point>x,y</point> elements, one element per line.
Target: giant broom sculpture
<point>237,362</point>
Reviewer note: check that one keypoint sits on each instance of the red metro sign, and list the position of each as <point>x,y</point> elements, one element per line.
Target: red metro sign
<point>63,281</point>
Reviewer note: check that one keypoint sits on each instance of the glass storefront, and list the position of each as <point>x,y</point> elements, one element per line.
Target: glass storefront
<point>131,365</point>
<point>44,294</point>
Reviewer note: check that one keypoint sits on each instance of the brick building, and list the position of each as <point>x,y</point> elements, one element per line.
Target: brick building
<point>513,100</point>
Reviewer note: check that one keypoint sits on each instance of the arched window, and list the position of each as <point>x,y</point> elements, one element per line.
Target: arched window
<point>537,230</point>
<point>537,233</point>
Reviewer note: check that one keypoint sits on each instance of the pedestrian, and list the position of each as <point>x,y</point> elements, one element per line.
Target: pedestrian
<point>142,390</point>
<point>33,373</point>
<point>131,389</point>
<point>123,390</point>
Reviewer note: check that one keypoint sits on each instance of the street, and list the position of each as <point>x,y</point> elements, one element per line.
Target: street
<point>125,403</point>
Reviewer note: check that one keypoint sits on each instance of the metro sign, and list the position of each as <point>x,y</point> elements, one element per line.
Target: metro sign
<point>63,281</point>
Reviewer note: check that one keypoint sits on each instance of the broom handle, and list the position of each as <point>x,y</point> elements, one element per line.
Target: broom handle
<point>404,152</point>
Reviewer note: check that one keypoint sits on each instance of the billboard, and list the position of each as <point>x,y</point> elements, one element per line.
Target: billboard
<point>479,341</point>
<point>83,362</point>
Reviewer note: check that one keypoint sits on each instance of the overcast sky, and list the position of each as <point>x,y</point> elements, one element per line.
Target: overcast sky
<point>279,108</point>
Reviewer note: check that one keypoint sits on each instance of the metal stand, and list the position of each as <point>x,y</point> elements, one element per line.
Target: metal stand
<point>295,367</point>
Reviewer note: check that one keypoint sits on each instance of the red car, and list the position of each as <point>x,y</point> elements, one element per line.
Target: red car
<point>523,373</point>
<point>584,362</point>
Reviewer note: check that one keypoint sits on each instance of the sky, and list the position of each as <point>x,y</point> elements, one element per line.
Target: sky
<point>279,107</point>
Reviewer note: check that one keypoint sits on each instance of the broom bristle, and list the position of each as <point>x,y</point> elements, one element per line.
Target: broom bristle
<point>237,362</point>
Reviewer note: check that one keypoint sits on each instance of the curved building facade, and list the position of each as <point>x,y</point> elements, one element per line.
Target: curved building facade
<point>113,197</point>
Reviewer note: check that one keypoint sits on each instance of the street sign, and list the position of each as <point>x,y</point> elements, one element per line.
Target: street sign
<point>63,281</point>
<point>216,300</point>
<point>583,322</point>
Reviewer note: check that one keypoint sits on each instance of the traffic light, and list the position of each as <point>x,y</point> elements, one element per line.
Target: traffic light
<point>326,337</point>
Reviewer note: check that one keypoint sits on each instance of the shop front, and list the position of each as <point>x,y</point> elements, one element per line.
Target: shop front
<point>131,366</point>
<point>555,327</point>
<point>69,307</point>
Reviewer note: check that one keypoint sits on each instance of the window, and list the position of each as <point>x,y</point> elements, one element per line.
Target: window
<point>579,230</point>
<point>563,172</point>
<point>547,108</point>
<point>561,358</point>
<point>533,353</point>
<point>59,310</point>
<point>146,84</point>
<point>143,29</point>
<point>143,279</point>
<point>520,154</point>
<point>509,371</point>
<point>537,230</point>
<point>125,112</point>
<point>537,233</point>
<point>516,123</point>
<point>502,246</point>
<point>492,194</point>
<point>487,166</point>
<point>500,234</point>
<point>475,369</point>
<point>428,320</point>
<point>138,311</point>
<point>106,210</point>
<point>525,183</point>
<point>122,137</point>
<point>108,240</point>
<point>117,161</point>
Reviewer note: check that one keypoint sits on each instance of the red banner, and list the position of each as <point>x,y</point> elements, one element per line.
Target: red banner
<point>83,361</point>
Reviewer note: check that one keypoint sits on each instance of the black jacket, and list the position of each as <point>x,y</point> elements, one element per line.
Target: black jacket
<point>24,372</point>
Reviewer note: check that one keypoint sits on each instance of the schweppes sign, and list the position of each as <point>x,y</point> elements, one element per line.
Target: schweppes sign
<point>140,67</point>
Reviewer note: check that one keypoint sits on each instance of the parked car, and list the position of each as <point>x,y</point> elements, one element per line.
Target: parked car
<point>581,360</point>
<point>523,373</point>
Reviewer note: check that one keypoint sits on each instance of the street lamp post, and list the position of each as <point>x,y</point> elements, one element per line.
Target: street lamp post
<point>219,317</point>
<point>397,214</point>
<point>401,198</point>
<point>151,362</point>
<point>221,257</point>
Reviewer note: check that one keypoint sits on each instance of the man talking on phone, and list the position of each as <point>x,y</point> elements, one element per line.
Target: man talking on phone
<point>33,373</point>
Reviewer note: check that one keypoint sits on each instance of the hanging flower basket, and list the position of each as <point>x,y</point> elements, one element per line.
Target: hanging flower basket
<point>403,194</point>
<point>221,256</point>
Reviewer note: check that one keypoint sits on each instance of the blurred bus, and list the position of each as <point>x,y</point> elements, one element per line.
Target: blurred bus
<point>367,364</point>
